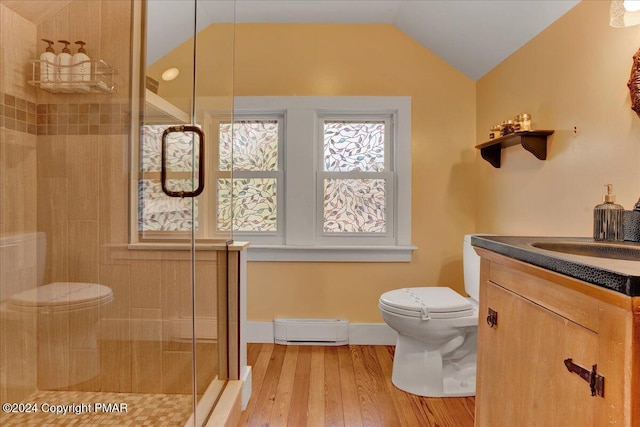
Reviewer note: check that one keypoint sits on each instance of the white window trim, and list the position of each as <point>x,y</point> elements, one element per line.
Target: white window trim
<point>301,160</point>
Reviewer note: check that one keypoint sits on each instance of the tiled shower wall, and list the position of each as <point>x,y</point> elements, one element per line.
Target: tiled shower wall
<point>64,171</point>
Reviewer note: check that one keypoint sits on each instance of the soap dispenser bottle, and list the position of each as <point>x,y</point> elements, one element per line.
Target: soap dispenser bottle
<point>64,68</point>
<point>608,219</point>
<point>48,66</point>
<point>81,71</point>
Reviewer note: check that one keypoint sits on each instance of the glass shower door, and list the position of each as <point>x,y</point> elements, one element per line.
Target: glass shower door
<point>188,92</point>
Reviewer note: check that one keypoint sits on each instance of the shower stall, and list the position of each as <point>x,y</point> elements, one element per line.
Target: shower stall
<point>121,287</point>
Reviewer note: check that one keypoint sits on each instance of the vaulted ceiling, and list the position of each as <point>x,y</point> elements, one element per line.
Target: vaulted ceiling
<point>472,35</point>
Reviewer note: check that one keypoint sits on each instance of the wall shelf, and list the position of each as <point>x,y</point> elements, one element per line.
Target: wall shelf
<point>99,79</point>
<point>534,141</point>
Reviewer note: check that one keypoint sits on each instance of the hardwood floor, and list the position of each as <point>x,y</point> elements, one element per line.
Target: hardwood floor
<point>347,386</point>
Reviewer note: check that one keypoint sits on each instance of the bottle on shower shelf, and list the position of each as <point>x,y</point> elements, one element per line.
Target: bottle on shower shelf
<point>81,71</point>
<point>64,68</point>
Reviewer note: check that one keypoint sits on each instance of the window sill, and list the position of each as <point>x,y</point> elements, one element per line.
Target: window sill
<point>169,246</point>
<point>276,253</point>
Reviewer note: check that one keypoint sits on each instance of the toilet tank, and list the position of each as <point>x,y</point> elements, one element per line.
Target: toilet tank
<point>22,261</point>
<point>471,263</point>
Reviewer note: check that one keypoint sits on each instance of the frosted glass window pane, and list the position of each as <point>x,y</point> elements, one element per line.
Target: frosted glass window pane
<point>354,206</point>
<point>159,212</point>
<point>255,145</point>
<point>353,146</point>
<point>254,204</point>
<point>179,149</point>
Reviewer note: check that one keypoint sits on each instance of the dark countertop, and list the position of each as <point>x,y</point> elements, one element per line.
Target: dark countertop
<point>620,275</point>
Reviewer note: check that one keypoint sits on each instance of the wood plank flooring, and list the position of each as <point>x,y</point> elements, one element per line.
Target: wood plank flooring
<point>348,386</point>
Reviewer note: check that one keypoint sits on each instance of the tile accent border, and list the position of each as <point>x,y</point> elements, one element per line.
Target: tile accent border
<point>18,114</point>
<point>63,119</point>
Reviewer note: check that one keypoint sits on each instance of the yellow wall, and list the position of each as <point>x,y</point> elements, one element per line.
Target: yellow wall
<point>368,60</point>
<point>341,60</point>
<point>572,74</point>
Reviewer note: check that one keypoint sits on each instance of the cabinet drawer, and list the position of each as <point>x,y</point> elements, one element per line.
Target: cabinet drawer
<point>568,303</point>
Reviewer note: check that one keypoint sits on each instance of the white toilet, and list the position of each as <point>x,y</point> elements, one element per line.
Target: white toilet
<point>61,317</point>
<point>437,330</point>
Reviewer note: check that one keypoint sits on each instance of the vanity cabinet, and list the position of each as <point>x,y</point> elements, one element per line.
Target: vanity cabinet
<point>534,326</point>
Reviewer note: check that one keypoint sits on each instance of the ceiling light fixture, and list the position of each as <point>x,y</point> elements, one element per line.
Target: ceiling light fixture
<point>170,74</point>
<point>631,5</point>
<point>624,13</point>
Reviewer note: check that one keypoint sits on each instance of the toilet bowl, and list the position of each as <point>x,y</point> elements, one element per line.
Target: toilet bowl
<point>61,318</point>
<point>437,328</point>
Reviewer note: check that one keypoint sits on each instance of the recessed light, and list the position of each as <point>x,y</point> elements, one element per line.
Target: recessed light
<point>170,74</point>
<point>631,5</point>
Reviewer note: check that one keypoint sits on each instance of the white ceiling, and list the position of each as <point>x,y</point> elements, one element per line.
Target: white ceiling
<point>472,35</point>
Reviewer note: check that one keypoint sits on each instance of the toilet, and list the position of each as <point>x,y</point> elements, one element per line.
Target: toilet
<point>437,328</point>
<point>62,318</point>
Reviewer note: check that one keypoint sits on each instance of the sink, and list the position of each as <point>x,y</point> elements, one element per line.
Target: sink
<point>630,252</point>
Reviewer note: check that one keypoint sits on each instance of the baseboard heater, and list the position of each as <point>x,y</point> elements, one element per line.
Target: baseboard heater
<point>311,331</point>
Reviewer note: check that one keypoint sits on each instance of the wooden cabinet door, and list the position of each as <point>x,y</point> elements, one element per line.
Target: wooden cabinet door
<point>522,380</point>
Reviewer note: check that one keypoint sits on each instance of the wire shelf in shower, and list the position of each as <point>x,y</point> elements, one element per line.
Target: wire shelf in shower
<point>66,79</point>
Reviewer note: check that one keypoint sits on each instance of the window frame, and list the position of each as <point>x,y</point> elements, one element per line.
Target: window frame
<point>302,217</point>
<point>300,160</point>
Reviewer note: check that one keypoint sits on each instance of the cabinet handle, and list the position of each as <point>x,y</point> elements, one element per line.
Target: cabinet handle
<point>492,318</point>
<point>596,381</point>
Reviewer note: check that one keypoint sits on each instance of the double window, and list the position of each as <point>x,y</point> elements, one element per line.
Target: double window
<point>302,178</point>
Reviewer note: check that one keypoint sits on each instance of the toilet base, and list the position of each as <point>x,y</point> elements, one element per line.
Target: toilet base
<point>417,370</point>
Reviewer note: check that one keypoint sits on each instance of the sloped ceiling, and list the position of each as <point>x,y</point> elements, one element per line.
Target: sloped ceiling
<point>472,35</point>
<point>36,11</point>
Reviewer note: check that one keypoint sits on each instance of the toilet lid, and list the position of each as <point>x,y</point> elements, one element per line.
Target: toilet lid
<point>427,302</point>
<point>62,295</point>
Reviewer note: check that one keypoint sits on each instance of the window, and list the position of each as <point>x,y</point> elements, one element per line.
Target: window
<point>356,178</point>
<point>344,190</point>
<point>314,178</point>
<point>255,144</point>
<point>159,214</point>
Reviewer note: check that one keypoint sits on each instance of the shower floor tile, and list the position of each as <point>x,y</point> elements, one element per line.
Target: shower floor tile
<point>102,409</point>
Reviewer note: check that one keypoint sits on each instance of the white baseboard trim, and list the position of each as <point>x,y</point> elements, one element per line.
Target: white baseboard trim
<point>359,333</point>
<point>246,386</point>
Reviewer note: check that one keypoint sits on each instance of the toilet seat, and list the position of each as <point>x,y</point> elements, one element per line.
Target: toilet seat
<point>426,303</point>
<point>61,296</point>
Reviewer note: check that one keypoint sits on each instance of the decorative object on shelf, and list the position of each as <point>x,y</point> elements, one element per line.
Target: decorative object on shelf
<point>100,77</point>
<point>494,131</point>
<point>507,128</point>
<point>534,141</point>
<point>521,122</point>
